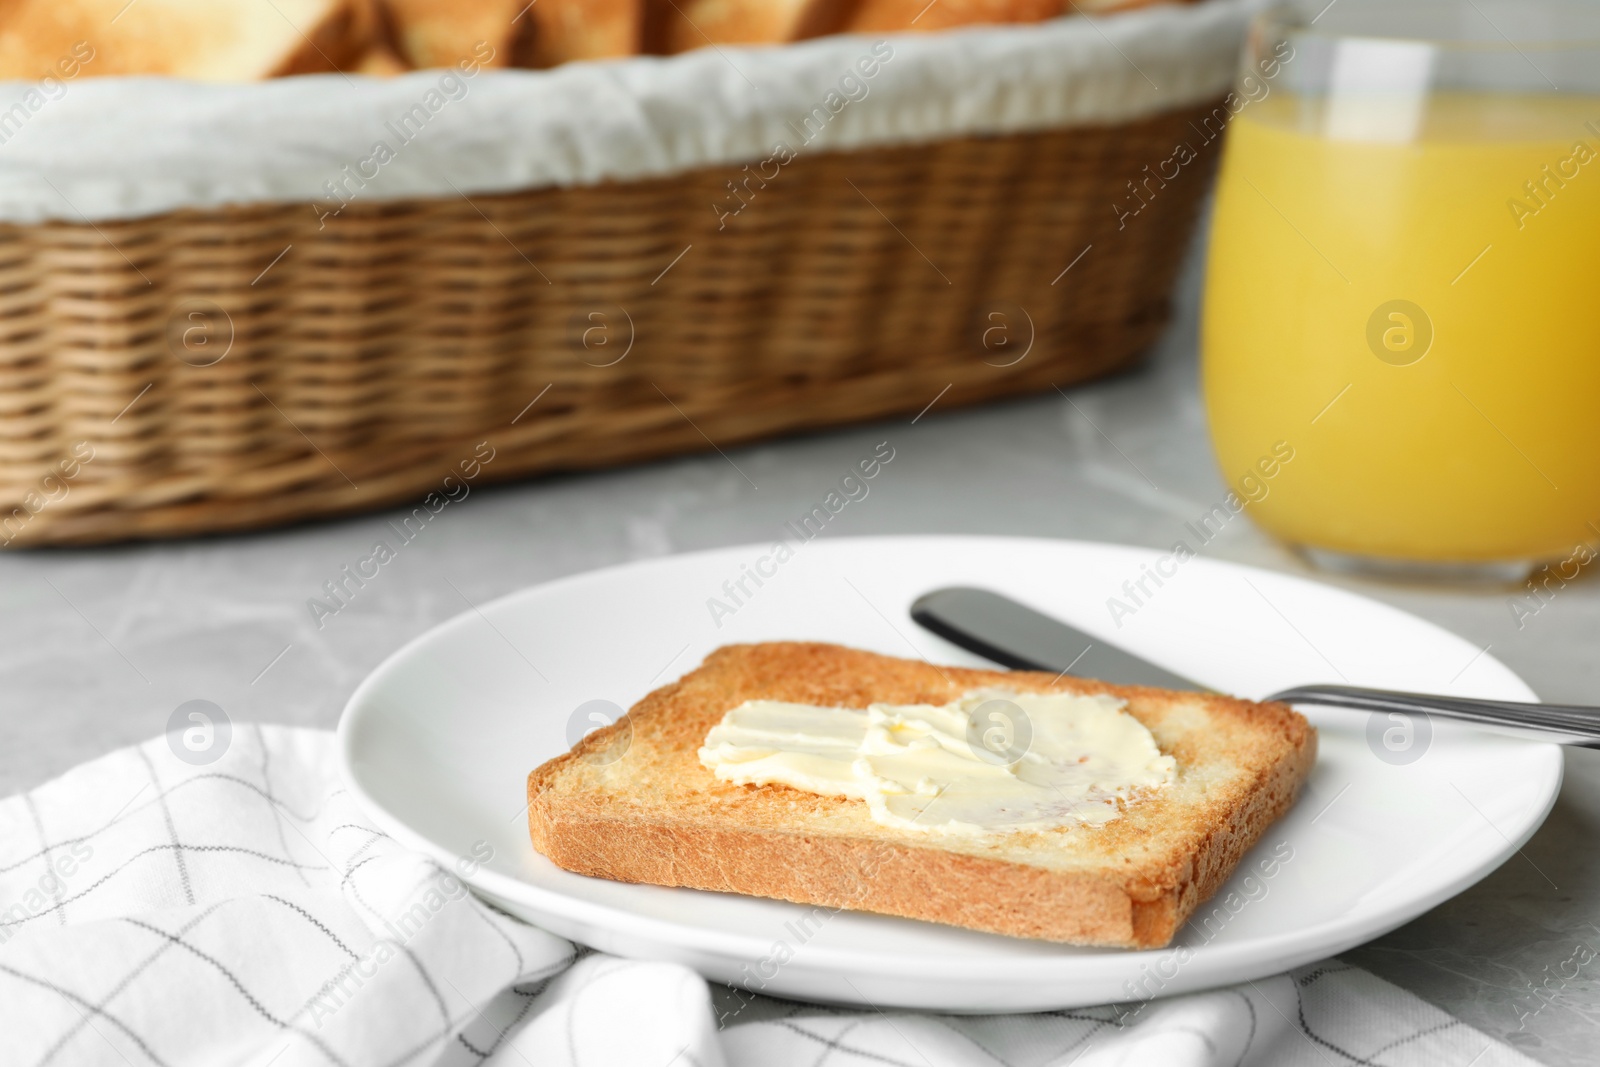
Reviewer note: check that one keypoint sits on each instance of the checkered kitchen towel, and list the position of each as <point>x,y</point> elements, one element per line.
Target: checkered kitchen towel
<point>244,912</point>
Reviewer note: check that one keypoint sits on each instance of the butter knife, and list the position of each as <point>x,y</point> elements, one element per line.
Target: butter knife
<point>1016,636</point>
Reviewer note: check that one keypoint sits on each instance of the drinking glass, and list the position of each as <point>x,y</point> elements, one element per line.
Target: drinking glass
<point>1401,325</point>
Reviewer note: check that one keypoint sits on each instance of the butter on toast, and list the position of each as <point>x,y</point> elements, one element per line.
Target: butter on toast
<point>631,802</point>
<point>207,40</point>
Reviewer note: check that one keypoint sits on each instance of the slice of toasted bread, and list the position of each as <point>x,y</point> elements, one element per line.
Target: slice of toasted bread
<point>632,802</point>
<point>686,24</point>
<point>442,33</point>
<point>881,16</point>
<point>208,40</point>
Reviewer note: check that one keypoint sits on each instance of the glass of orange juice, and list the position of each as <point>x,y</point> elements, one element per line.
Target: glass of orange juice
<point>1403,284</point>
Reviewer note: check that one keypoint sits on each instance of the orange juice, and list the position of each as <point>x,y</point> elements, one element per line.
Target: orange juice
<point>1419,318</point>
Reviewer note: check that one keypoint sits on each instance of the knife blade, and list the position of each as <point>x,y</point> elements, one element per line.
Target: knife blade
<point>1014,635</point>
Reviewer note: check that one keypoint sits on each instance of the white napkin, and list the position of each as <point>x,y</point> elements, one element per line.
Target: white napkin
<point>153,911</point>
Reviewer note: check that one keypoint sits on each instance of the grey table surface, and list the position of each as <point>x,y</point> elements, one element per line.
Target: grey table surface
<point>98,646</point>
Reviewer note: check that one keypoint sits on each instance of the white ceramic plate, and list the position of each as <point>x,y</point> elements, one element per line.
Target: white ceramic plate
<point>437,744</point>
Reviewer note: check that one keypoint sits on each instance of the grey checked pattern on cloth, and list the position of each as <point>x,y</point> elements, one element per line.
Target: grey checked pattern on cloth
<point>245,912</point>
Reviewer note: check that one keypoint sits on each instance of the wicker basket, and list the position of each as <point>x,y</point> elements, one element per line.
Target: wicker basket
<point>234,368</point>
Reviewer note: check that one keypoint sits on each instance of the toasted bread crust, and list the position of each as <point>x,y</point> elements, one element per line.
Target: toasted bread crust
<point>336,43</point>
<point>235,40</point>
<point>655,815</point>
<point>873,16</point>
<point>587,29</point>
<point>680,25</point>
<point>442,33</point>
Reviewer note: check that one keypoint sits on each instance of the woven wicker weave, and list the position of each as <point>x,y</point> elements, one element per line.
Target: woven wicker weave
<point>361,361</point>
